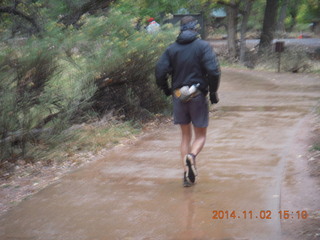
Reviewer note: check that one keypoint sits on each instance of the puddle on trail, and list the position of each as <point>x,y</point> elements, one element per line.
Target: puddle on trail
<point>136,191</point>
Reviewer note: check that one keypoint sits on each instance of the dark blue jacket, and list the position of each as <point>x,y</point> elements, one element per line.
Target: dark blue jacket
<point>188,61</point>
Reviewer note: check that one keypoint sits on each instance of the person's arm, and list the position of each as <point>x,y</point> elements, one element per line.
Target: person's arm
<point>163,69</point>
<point>212,67</point>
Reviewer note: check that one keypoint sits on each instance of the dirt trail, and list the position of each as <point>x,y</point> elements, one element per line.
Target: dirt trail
<point>249,165</point>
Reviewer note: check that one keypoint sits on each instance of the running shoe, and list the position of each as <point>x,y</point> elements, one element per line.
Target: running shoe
<point>190,163</point>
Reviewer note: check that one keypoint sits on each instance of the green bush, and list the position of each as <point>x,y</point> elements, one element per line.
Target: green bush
<point>121,61</point>
<point>71,75</point>
<point>24,75</point>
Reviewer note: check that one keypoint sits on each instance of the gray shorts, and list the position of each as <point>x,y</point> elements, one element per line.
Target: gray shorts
<point>196,111</point>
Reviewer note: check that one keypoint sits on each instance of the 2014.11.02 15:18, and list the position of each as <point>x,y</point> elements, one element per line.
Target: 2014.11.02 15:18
<point>262,214</point>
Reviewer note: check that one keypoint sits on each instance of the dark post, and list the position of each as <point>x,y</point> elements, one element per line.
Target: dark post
<point>279,48</point>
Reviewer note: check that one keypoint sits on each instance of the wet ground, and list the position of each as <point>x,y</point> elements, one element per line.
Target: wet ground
<point>252,167</point>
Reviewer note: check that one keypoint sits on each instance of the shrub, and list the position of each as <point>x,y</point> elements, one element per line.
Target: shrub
<point>293,59</point>
<point>24,75</point>
<point>69,75</point>
<point>121,61</point>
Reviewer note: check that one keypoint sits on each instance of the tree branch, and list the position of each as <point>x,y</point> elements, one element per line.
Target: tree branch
<point>232,5</point>
<point>13,11</point>
<point>92,5</point>
<point>228,4</point>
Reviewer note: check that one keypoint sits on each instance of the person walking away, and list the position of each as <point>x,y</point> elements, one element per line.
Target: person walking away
<point>153,26</point>
<point>195,72</point>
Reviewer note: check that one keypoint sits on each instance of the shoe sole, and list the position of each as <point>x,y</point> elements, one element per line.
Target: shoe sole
<point>187,184</point>
<point>191,170</point>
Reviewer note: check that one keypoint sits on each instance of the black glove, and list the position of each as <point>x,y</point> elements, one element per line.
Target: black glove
<point>214,98</point>
<point>167,91</point>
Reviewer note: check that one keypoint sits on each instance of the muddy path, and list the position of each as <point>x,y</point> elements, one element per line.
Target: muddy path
<point>252,167</point>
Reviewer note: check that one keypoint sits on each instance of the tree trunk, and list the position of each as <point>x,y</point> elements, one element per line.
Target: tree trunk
<point>244,26</point>
<point>232,18</point>
<point>269,21</point>
<point>282,16</point>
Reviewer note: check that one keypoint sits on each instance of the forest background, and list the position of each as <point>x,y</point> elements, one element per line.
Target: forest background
<point>79,75</point>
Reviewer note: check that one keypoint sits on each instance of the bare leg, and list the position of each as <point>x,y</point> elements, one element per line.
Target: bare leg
<point>199,141</point>
<point>186,136</point>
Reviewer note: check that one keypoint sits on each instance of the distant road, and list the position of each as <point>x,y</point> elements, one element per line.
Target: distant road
<point>312,43</point>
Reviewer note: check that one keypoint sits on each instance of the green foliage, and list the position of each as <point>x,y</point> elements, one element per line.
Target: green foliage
<point>70,75</point>
<point>25,71</point>
<point>13,24</point>
<point>123,59</point>
<point>257,14</point>
<point>143,8</point>
<point>309,11</point>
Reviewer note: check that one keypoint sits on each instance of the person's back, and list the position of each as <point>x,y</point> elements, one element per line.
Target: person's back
<point>189,60</point>
<point>186,56</point>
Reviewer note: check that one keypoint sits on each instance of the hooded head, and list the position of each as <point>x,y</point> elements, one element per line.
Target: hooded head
<point>188,23</point>
<point>188,27</point>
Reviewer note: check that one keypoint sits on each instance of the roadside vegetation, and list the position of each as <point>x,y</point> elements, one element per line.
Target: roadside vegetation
<point>71,75</point>
<point>79,75</point>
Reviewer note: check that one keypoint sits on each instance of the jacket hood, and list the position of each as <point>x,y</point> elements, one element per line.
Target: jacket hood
<point>187,36</point>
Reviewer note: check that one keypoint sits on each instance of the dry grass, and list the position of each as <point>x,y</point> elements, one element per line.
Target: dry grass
<point>86,139</point>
